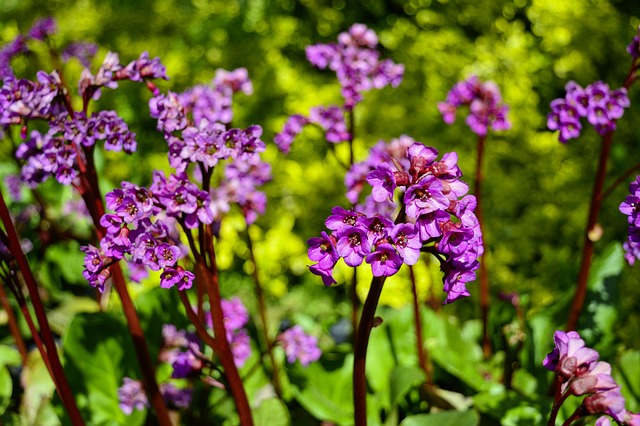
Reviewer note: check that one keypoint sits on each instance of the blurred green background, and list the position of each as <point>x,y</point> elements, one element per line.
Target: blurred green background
<point>536,191</point>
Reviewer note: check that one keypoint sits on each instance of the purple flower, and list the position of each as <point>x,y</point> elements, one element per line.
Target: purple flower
<point>235,314</point>
<point>83,51</point>
<point>631,208</point>
<point>178,276</point>
<point>42,28</point>
<point>383,181</point>
<point>484,102</point>
<point>384,261</point>
<point>300,346</point>
<point>325,273</point>
<point>178,397</point>
<point>131,396</point>
<point>610,402</point>
<point>570,356</point>
<point>185,364</point>
<point>352,245</point>
<point>240,344</point>
<point>323,250</point>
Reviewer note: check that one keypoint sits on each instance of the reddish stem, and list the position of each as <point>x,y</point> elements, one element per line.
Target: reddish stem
<point>60,380</point>
<point>422,355</point>
<point>484,275</point>
<point>210,277</point>
<point>360,351</point>
<point>590,234</point>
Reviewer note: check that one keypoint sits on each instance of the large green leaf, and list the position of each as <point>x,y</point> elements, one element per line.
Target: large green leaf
<point>627,374</point>
<point>403,379</point>
<point>445,418</point>
<point>327,395</point>
<point>98,354</point>
<point>271,412</point>
<point>39,389</point>
<point>452,351</point>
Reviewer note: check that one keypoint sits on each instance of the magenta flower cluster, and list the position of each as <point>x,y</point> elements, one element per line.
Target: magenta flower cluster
<point>485,106</point>
<point>436,216</point>
<point>179,350</point>
<point>132,231</point>
<point>356,63</point>
<point>597,102</point>
<point>54,153</point>
<point>631,207</point>
<point>40,31</point>
<point>236,318</point>
<point>299,346</point>
<point>131,395</point>
<point>330,120</point>
<point>358,67</point>
<point>194,126</point>
<point>580,373</point>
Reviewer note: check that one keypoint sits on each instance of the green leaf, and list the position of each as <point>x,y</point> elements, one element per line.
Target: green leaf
<point>451,351</point>
<point>38,391</point>
<point>61,316</point>
<point>445,418</point>
<point>271,412</point>
<point>627,374</point>
<point>522,416</point>
<point>327,395</point>
<point>6,388</point>
<point>403,379</point>
<point>98,354</point>
<point>9,356</point>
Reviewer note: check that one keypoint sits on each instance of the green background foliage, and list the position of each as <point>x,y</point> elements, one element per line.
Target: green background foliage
<point>536,192</point>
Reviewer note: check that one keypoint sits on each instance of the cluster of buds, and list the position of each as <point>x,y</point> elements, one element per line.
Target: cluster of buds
<point>579,373</point>
<point>631,207</point>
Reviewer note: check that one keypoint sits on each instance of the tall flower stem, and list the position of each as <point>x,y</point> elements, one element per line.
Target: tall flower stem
<point>13,325</point>
<point>210,277</point>
<point>262,308</point>
<point>590,234</point>
<point>484,275</point>
<point>360,351</point>
<point>58,376</point>
<point>423,360</point>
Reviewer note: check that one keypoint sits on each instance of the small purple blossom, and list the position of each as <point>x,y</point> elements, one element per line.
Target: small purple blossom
<point>42,28</point>
<point>485,106</point>
<point>131,396</point>
<point>300,346</point>
<point>631,208</point>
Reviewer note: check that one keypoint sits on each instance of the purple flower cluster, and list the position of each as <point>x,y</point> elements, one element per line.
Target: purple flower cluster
<point>631,207</point>
<point>299,346</point>
<point>179,349</point>
<point>83,51</point>
<point>130,231</point>
<point>194,126</point>
<point>55,153</point>
<point>330,120</point>
<point>40,30</point>
<point>578,369</point>
<point>437,216</point>
<point>485,106</point>
<point>600,105</point>
<point>356,63</point>
<point>131,395</point>
<point>236,317</point>
<point>22,100</point>
<point>111,71</point>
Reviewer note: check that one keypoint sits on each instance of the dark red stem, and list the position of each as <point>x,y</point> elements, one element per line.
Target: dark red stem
<point>360,351</point>
<point>58,376</point>
<point>422,355</point>
<point>484,275</point>
<point>590,234</point>
<point>210,277</point>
